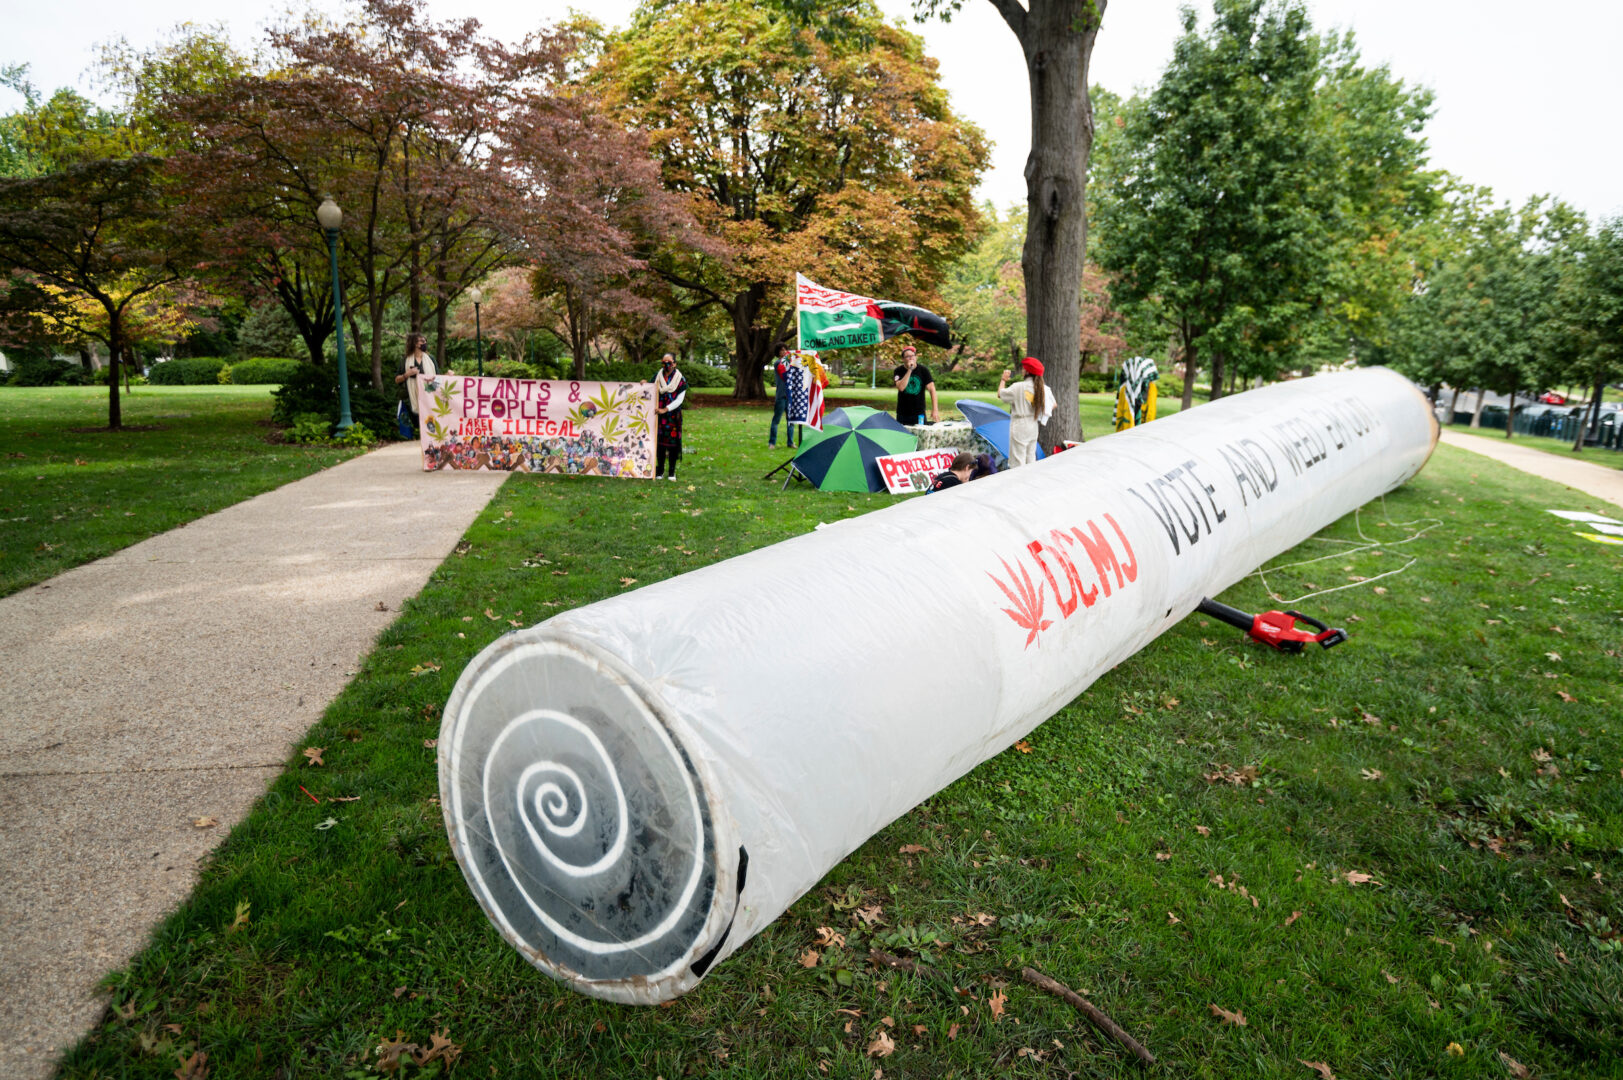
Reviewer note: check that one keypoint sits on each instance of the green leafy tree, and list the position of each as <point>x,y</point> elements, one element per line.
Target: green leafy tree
<point>85,245</point>
<point>986,294</point>
<point>837,158</point>
<point>1260,199</point>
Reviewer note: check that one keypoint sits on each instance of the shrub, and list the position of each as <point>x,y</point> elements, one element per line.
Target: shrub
<point>37,370</point>
<point>309,427</point>
<point>224,377</point>
<point>264,371</point>
<point>187,371</point>
<point>508,369</point>
<point>358,434</point>
<point>310,389</point>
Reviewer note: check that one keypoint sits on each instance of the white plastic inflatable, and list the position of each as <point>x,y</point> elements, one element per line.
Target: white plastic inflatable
<point>636,787</point>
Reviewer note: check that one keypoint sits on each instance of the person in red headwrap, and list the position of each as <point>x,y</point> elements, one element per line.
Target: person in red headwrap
<point>1030,404</point>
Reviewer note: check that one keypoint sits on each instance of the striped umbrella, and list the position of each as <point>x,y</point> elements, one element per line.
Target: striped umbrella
<point>842,456</point>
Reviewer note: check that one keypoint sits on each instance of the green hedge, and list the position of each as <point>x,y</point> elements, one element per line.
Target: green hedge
<point>187,371</point>
<point>264,371</point>
<point>312,389</point>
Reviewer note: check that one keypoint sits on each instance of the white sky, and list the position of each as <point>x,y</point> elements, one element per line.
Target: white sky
<point>1526,98</point>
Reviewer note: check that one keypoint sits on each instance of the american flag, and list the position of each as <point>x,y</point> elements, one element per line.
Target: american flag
<point>814,416</point>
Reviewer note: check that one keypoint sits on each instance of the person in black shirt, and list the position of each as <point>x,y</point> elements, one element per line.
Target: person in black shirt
<point>912,379</point>
<point>957,473</point>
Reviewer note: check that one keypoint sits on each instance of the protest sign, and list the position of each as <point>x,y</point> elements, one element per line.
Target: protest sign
<point>537,425</point>
<point>906,473</point>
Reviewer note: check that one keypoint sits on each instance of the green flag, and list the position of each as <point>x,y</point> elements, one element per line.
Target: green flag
<point>830,319</point>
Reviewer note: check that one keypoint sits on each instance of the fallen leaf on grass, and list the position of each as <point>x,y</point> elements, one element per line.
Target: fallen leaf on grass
<point>1203,830</point>
<point>205,822</point>
<point>882,1045</point>
<point>888,1021</point>
<point>313,754</point>
<point>1319,1067</point>
<point>1173,920</point>
<point>1380,590</point>
<point>809,958</point>
<point>952,1032</point>
<point>195,1067</point>
<point>995,1003</point>
<point>1162,856</point>
<point>912,849</point>
<point>429,744</point>
<point>1358,877</point>
<point>827,935</point>
<point>1023,746</point>
<point>1566,697</point>
<point>1235,1018</point>
<point>1371,774</point>
<point>427,667</point>
<point>1553,655</point>
<point>1294,916</point>
<point>492,616</point>
<point>920,1029</point>
<point>1371,718</point>
<point>869,914</point>
<point>560,573</point>
<point>1391,978</point>
<point>329,823</point>
<point>628,581</point>
<point>1456,1050</point>
<point>1517,1069</point>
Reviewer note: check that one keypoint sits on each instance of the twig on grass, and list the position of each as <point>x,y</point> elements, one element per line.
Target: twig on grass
<point>1098,1019</point>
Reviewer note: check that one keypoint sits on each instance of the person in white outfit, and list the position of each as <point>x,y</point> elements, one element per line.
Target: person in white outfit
<point>1030,404</point>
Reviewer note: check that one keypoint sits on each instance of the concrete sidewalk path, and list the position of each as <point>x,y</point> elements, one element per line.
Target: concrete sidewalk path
<point>1587,477</point>
<point>168,683</point>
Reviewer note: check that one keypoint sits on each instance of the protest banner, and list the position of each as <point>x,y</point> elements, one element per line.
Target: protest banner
<point>537,425</point>
<point>907,473</point>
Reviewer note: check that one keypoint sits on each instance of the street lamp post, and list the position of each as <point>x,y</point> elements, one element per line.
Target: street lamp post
<point>476,294</point>
<point>330,217</point>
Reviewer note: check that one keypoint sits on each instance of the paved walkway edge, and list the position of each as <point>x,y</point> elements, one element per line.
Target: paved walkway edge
<point>1591,479</point>
<point>167,684</point>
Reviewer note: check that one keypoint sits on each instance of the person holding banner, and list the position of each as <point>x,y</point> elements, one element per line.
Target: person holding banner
<point>1030,404</point>
<point>671,390</point>
<point>416,362</point>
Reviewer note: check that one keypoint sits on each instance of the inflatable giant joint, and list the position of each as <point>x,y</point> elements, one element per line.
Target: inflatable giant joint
<point>636,787</point>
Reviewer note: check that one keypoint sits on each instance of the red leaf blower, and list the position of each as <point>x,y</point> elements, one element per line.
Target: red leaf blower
<point>1276,628</point>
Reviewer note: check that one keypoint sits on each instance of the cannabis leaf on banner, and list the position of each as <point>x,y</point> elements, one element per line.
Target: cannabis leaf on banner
<point>1027,599</point>
<point>612,403</point>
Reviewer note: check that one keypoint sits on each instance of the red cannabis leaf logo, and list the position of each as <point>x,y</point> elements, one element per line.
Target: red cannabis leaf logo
<point>1027,612</point>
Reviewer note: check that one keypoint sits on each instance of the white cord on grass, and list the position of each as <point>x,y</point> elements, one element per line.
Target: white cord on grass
<point>1368,544</point>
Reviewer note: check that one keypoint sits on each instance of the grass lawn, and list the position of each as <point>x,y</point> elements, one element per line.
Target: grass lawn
<point>1612,459</point>
<point>69,496</point>
<point>1396,858</point>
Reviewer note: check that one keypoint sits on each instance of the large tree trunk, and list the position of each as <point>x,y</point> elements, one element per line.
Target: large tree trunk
<point>1057,39</point>
<point>375,309</point>
<point>1594,417</point>
<point>1453,402</point>
<point>753,346</point>
<point>1476,417</point>
<point>115,346</point>
<point>1510,415</point>
<point>1191,354</point>
<point>1218,363</point>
